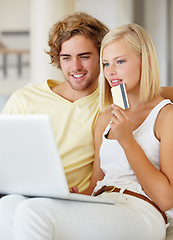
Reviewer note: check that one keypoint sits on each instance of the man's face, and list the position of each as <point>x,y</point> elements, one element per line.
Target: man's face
<point>79,60</point>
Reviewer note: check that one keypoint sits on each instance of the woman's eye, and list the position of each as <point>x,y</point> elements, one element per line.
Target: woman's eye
<point>120,61</point>
<point>105,64</point>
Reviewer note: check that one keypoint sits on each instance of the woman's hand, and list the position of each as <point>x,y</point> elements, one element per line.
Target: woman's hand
<point>120,125</point>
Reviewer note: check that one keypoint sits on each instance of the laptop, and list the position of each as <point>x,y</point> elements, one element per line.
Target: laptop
<point>30,164</point>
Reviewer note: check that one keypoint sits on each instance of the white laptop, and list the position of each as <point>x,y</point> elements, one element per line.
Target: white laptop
<point>30,164</point>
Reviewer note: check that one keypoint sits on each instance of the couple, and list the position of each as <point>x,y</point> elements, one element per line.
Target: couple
<point>132,147</point>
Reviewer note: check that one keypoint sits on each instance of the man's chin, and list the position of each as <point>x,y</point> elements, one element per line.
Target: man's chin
<point>80,87</point>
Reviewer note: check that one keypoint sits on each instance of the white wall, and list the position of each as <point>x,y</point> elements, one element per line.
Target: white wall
<point>155,22</point>
<point>14,15</point>
<point>170,56</point>
<point>111,12</point>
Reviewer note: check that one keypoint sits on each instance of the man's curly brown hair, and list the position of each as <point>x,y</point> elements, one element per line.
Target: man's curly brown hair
<point>71,25</point>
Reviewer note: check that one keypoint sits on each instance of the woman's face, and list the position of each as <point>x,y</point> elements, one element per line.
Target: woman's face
<point>121,65</point>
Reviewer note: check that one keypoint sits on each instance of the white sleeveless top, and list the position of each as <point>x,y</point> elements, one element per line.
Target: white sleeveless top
<point>113,160</point>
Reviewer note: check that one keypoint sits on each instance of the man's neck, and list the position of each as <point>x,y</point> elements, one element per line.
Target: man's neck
<point>65,91</point>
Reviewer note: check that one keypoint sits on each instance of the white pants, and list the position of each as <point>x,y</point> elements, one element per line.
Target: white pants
<point>49,219</point>
<point>169,231</point>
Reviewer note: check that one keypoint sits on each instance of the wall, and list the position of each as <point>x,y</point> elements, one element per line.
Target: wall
<point>14,15</point>
<point>170,42</point>
<point>155,21</point>
<point>111,12</point>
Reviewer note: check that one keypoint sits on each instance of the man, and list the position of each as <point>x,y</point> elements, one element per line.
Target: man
<point>72,105</point>
<point>73,109</point>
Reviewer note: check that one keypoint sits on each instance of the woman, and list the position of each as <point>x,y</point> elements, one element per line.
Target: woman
<point>136,153</point>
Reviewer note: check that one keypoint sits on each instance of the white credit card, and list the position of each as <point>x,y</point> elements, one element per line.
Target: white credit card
<point>120,96</point>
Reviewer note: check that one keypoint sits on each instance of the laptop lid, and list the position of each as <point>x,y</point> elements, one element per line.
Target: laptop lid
<point>30,161</point>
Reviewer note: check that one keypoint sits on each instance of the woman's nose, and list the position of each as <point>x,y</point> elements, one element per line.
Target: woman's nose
<point>112,69</point>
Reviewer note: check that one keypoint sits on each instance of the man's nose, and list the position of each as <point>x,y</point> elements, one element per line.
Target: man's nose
<point>77,65</point>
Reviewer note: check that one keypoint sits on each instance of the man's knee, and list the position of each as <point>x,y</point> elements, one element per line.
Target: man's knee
<point>9,203</point>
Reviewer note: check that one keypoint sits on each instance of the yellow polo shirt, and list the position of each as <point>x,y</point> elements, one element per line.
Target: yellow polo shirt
<point>73,125</point>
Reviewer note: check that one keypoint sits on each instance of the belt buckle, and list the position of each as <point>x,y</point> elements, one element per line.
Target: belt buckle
<point>109,191</point>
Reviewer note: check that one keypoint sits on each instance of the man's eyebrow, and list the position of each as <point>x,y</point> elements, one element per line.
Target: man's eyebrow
<point>64,55</point>
<point>80,54</point>
<point>85,53</point>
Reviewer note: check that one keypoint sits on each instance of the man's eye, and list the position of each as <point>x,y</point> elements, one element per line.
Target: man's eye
<point>66,58</point>
<point>84,57</point>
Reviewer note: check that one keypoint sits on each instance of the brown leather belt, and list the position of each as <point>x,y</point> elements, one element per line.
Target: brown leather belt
<point>134,194</point>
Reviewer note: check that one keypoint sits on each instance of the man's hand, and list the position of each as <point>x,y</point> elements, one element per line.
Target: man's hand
<point>74,190</point>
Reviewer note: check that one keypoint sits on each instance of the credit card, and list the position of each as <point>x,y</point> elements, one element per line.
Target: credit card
<point>120,96</point>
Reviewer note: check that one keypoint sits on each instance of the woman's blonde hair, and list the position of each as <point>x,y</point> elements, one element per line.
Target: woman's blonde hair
<point>135,37</point>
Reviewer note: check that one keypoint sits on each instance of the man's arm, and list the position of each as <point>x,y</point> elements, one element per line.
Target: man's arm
<point>167,92</point>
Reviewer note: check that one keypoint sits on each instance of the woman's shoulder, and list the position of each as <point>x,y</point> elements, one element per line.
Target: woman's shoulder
<point>166,114</point>
<point>161,106</point>
<point>165,119</point>
<point>105,116</point>
<point>167,109</point>
<point>103,119</point>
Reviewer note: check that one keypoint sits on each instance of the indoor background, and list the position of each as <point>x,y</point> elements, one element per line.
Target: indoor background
<point>24,26</point>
